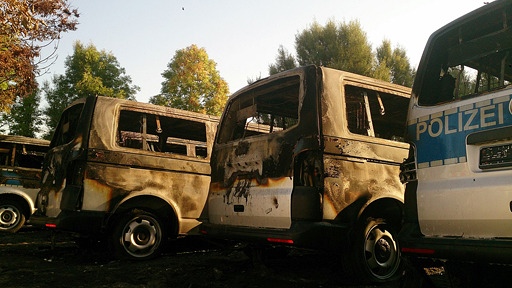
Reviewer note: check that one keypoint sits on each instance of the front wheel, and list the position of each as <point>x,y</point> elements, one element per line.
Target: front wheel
<point>375,251</point>
<point>11,216</point>
<point>138,235</point>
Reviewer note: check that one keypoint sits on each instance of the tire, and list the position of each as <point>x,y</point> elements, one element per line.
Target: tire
<point>137,235</point>
<point>12,217</point>
<point>375,252</point>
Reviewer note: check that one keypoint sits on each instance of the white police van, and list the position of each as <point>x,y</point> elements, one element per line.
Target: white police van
<point>458,200</point>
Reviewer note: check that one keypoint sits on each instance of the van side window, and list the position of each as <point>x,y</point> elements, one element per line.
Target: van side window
<point>15,158</point>
<point>374,113</point>
<point>4,156</point>
<point>157,133</point>
<point>266,110</point>
<point>30,156</point>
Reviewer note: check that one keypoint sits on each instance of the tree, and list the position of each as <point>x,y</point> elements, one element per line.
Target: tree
<point>24,118</point>
<point>401,70</point>
<point>383,54</point>
<point>393,65</point>
<point>284,61</point>
<point>344,46</point>
<point>17,75</point>
<point>252,80</point>
<point>192,83</point>
<point>88,72</point>
<point>25,28</point>
<point>356,52</point>
<point>318,45</point>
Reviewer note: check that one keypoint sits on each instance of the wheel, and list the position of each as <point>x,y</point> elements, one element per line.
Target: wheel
<point>137,235</point>
<point>11,216</point>
<point>375,251</point>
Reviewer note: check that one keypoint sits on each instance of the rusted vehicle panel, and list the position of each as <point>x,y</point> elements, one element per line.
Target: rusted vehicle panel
<point>308,155</point>
<point>128,170</point>
<point>21,159</point>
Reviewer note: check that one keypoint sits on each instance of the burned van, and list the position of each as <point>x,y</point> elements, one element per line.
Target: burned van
<point>311,158</point>
<point>21,159</point>
<point>137,173</point>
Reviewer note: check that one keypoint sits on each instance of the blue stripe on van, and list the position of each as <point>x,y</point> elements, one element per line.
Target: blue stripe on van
<point>440,138</point>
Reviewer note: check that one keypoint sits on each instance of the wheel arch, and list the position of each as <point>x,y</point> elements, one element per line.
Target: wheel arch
<point>163,209</point>
<point>388,208</point>
<point>25,202</point>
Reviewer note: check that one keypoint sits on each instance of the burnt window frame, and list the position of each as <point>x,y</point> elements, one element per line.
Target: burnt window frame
<point>384,112</point>
<point>160,133</point>
<point>263,111</point>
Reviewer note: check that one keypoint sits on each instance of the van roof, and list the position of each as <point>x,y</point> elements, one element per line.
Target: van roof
<point>23,140</point>
<point>148,106</point>
<point>352,77</point>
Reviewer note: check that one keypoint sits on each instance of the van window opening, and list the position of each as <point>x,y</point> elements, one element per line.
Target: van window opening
<point>468,62</point>
<point>263,110</point>
<point>149,132</point>
<point>375,114</point>
<point>29,157</point>
<point>22,155</point>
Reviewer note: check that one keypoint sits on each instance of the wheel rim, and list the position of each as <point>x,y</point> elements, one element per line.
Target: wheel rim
<point>381,253</point>
<point>9,217</point>
<point>141,236</point>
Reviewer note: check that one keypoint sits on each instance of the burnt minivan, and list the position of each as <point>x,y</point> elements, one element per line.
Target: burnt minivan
<point>310,158</point>
<point>136,173</point>
<point>21,159</point>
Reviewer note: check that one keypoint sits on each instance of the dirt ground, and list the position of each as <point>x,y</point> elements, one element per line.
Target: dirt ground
<point>28,259</point>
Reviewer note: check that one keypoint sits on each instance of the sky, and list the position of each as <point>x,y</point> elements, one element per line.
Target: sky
<point>242,37</point>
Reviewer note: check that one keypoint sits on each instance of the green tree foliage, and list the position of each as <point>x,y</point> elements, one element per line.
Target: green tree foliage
<point>384,59</point>
<point>24,118</point>
<point>393,65</point>
<point>284,61</point>
<point>26,27</point>
<point>88,72</point>
<point>345,46</point>
<point>356,52</point>
<point>192,83</point>
<point>318,45</point>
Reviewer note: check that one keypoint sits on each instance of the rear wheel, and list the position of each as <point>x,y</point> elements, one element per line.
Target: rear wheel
<point>138,235</point>
<point>375,251</point>
<point>11,216</point>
